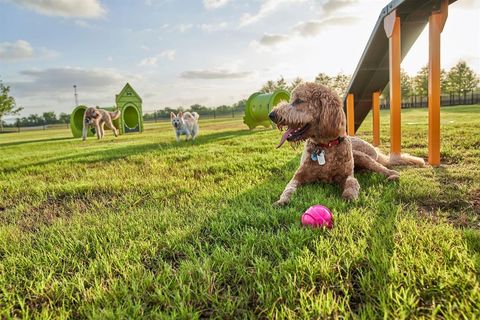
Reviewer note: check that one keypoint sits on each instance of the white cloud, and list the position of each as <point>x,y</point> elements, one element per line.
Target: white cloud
<point>51,89</point>
<point>185,27</point>
<point>314,27</point>
<point>272,39</point>
<point>21,50</point>
<point>152,61</point>
<point>335,5</point>
<point>213,74</point>
<point>64,8</point>
<point>267,8</point>
<point>214,4</point>
<point>168,54</point>
<point>213,27</point>
<point>17,50</point>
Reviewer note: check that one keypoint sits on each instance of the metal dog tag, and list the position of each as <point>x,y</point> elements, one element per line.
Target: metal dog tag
<point>321,158</point>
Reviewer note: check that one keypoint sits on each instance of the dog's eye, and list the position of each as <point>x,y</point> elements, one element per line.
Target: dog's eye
<point>298,101</point>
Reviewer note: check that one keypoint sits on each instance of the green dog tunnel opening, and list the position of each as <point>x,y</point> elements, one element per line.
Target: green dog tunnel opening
<point>131,119</point>
<point>259,106</point>
<point>76,122</point>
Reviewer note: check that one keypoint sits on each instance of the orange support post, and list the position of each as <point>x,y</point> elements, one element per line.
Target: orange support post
<point>376,118</point>
<point>436,23</point>
<point>391,24</point>
<point>350,115</point>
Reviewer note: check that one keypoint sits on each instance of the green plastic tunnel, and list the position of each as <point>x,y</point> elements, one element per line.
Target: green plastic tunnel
<point>76,122</point>
<point>259,106</point>
<point>132,120</point>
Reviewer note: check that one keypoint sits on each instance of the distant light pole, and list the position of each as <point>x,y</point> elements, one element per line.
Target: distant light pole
<point>75,94</point>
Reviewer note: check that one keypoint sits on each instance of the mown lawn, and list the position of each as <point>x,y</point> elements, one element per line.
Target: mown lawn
<point>143,227</point>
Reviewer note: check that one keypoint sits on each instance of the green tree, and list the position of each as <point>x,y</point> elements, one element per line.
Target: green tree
<point>461,79</point>
<point>406,84</point>
<point>34,119</point>
<point>198,108</point>
<point>443,81</point>
<point>240,105</point>
<point>324,79</point>
<point>420,82</point>
<point>64,117</point>
<point>340,83</point>
<point>7,104</point>
<point>294,83</point>
<point>268,87</point>
<point>281,84</point>
<point>49,117</point>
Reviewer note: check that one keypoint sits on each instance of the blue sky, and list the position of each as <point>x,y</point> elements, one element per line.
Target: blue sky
<point>176,53</point>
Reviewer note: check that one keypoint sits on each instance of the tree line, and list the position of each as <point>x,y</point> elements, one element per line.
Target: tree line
<point>45,118</point>
<point>222,110</point>
<point>459,80</point>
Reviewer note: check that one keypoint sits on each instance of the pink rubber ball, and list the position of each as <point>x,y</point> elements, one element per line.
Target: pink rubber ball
<point>318,216</point>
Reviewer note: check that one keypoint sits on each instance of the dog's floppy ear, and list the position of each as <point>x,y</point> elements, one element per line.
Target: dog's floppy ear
<point>172,115</point>
<point>180,114</point>
<point>332,117</point>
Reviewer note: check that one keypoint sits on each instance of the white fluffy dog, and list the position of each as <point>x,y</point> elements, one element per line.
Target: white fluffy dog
<point>185,123</point>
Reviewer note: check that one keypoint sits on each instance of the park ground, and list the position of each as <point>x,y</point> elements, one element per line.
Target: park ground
<point>144,227</point>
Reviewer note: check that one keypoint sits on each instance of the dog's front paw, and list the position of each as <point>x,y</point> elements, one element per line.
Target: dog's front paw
<point>350,194</point>
<point>393,175</point>
<point>280,203</point>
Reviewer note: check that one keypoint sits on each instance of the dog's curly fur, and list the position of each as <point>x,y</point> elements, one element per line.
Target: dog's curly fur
<point>98,118</point>
<point>315,115</point>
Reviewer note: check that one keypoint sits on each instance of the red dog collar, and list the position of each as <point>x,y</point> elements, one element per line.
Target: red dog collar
<point>331,143</point>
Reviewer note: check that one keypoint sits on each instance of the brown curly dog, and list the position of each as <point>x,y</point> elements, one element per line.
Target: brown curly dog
<point>315,115</point>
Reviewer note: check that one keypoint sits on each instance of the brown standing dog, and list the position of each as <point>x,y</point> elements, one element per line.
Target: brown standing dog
<point>315,115</point>
<point>98,118</point>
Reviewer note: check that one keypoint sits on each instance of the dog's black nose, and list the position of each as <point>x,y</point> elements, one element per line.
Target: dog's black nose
<point>273,116</point>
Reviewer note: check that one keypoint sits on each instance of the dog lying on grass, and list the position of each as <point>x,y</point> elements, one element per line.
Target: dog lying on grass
<point>185,123</point>
<point>315,115</point>
<point>98,118</point>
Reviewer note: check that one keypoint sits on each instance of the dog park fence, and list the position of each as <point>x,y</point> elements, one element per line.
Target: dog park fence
<point>445,100</point>
<point>154,115</point>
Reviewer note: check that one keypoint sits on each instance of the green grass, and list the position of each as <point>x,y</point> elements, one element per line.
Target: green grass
<point>143,227</point>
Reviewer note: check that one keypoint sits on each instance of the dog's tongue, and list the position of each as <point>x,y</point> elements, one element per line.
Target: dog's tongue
<point>285,136</point>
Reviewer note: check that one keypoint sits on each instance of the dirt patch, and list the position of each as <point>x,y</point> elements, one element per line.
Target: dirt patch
<point>475,200</point>
<point>458,216</point>
<point>63,206</point>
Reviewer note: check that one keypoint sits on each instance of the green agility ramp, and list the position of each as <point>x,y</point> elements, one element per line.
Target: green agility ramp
<point>259,106</point>
<point>131,118</point>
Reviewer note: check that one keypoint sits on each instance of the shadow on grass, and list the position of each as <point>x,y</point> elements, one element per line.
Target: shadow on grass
<point>255,250</point>
<point>116,153</point>
<point>22,142</point>
<point>242,258</point>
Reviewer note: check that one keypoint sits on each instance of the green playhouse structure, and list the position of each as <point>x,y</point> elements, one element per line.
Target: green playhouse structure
<point>131,117</point>
<point>259,106</point>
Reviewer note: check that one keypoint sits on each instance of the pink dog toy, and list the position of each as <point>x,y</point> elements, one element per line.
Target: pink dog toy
<point>318,216</point>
